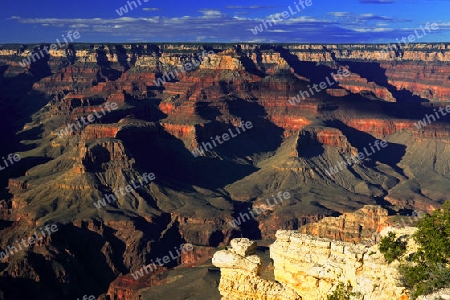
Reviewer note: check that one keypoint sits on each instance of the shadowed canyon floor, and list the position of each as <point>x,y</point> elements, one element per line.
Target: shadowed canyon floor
<point>195,199</point>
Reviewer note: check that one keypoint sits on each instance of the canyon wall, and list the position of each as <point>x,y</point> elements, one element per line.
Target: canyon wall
<point>315,266</point>
<point>240,275</point>
<point>307,267</point>
<point>193,199</point>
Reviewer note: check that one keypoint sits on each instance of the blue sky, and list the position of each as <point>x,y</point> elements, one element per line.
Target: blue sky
<point>324,21</point>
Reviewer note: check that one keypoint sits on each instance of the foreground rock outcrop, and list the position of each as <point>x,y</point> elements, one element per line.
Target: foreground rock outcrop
<point>240,271</point>
<point>203,200</point>
<point>355,227</point>
<point>308,267</point>
<point>315,266</point>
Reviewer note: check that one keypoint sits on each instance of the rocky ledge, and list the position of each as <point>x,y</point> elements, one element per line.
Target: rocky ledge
<point>308,267</point>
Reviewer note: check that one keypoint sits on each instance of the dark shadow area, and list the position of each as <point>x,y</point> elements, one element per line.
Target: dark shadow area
<point>216,238</point>
<point>71,54</point>
<point>5,224</point>
<point>308,146</point>
<point>406,212</point>
<point>373,72</point>
<point>390,155</point>
<point>263,136</point>
<point>259,60</point>
<point>79,251</point>
<point>39,66</point>
<point>414,110</point>
<point>122,57</point>
<point>330,213</point>
<point>385,204</point>
<point>207,110</point>
<point>316,73</point>
<point>244,220</point>
<point>332,54</point>
<point>105,64</point>
<point>30,134</point>
<point>19,102</point>
<point>168,245</point>
<point>167,156</point>
<point>136,51</point>
<point>91,265</point>
<point>16,170</point>
<point>147,110</point>
<point>97,156</point>
<point>248,64</point>
<point>102,58</point>
<point>208,48</point>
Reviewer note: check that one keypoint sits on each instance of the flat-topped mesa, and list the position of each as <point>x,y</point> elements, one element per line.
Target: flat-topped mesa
<point>240,275</point>
<point>99,131</point>
<point>325,136</point>
<point>102,155</point>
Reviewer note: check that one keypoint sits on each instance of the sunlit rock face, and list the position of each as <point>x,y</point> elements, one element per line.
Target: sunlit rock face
<point>307,267</point>
<point>194,199</point>
<point>314,266</point>
<point>240,275</point>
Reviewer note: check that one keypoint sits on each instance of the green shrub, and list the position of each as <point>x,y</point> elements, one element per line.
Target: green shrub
<point>427,270</point>
<point>342,292</point>
<point>391,247</point>
<point>433,236</point>
<point>424,279</point>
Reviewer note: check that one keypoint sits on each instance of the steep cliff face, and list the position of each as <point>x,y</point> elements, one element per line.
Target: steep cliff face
<point>355,227</point>
<point>196,199</point>
<point>314,266</point>
<point>241,275</point>
<point>307,267</point>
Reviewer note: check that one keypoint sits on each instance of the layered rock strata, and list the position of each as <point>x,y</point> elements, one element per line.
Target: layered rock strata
<point>307,267</point>
<point>240,275</point>
<point>314,267</point>
<point>355,227</point>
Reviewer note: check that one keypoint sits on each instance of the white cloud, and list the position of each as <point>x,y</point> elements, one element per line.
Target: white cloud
<point>211,25</point>
<point>339,14</point>
<point>211,13</point>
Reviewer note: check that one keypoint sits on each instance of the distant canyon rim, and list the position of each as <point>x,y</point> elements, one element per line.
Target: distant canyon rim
<point>195,199</point>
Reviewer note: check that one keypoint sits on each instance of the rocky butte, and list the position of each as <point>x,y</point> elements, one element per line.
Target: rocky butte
<point>194,199</point>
